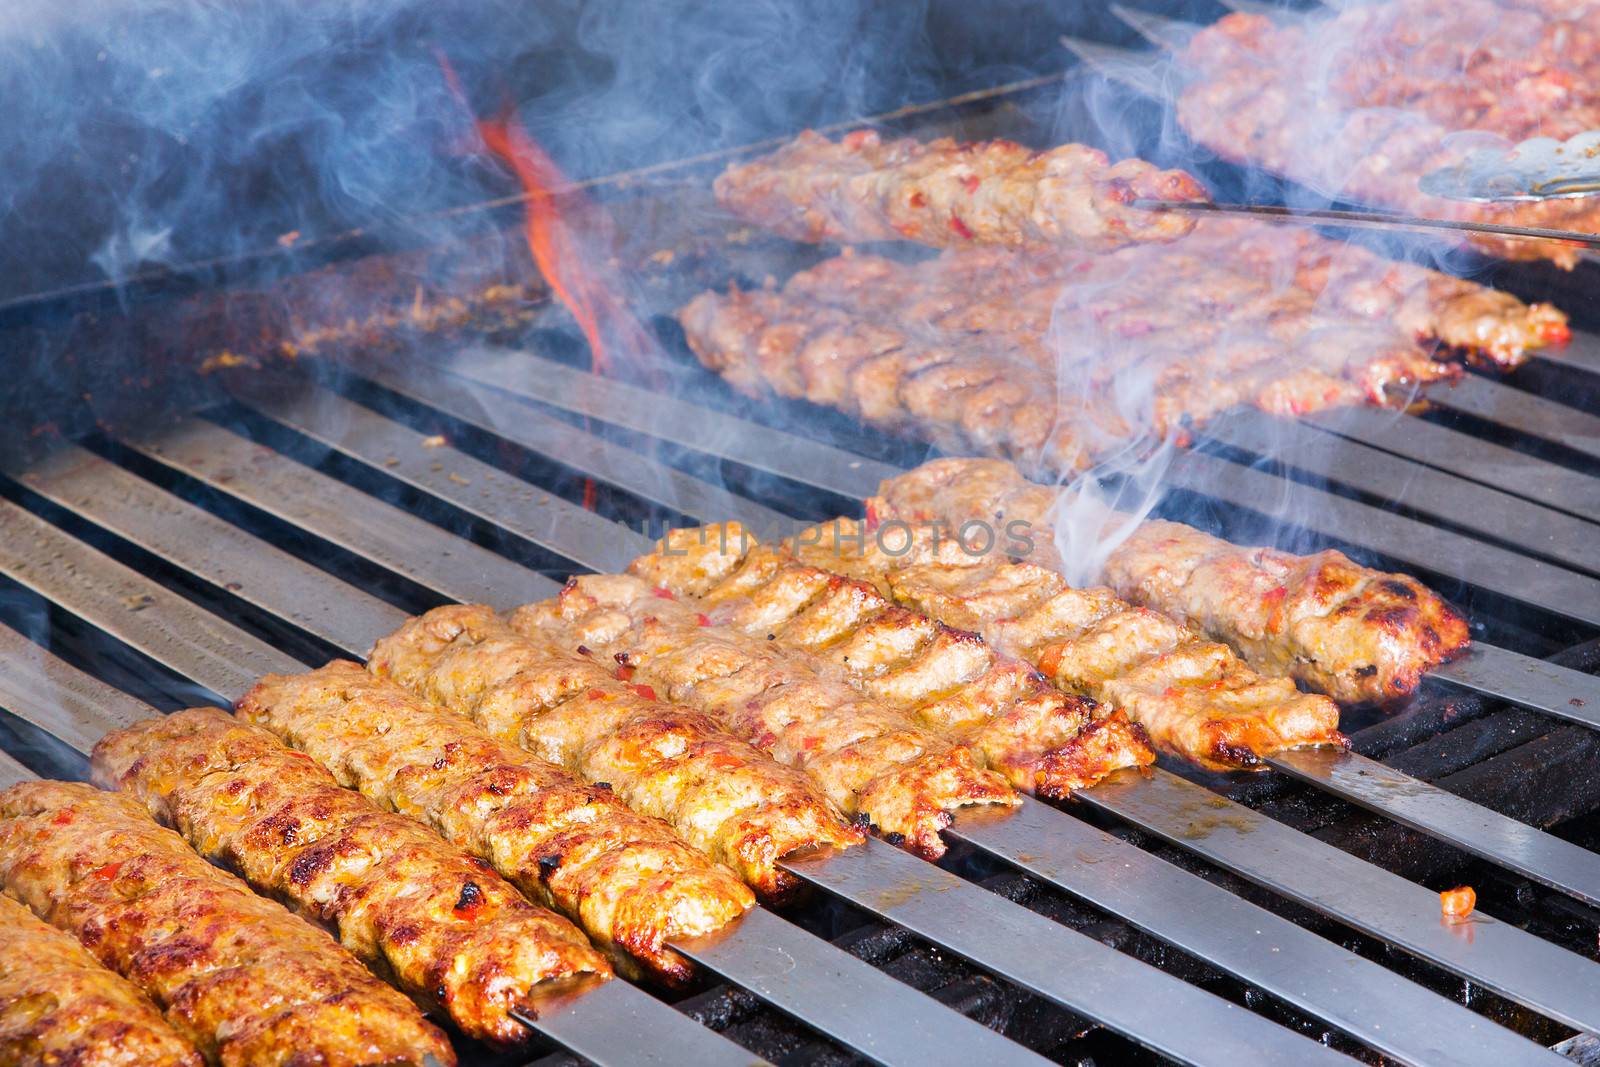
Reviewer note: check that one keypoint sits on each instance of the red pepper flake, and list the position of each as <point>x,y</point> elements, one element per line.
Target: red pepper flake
<point>596,694</point>
<point>1274,603</point>
<point>62,818</point>
<point>643,691</point>
<point>873,520</point>
<point>107,871</point>
<point>471,901</point>
<point>971,183</point>
<point>663,592</point>
<point>1458,903</point>
<point>702,619</point>
<point>960,227</point>
<point>858,139</point>
<point>624,673</point>
<point>1555,333</point>
<point>917,200</point>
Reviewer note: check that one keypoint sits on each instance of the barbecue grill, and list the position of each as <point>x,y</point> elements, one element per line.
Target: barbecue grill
<point>1290,916</point>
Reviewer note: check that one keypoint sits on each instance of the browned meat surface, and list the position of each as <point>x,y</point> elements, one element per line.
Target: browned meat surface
<point>60,1008</point>
<point>439,924</point>
<point>942,193</point>
<point>626,878</point>
<point>1053,362</point>
<point>721,794</point>
<point>247,982</point>
<point>874,761</point>
<point>1357,634</point>
<point>1193,698</point>
<point>838,640</point>
<point>1362,100</point>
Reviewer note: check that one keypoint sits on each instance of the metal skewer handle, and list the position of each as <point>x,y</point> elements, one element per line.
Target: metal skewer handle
<point>1538,169</point>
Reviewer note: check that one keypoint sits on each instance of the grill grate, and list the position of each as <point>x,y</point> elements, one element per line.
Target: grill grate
<point>136,488</point>
<point>1194,918</point>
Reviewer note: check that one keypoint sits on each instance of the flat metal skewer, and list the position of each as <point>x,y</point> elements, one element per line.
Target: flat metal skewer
<point>1309,843</point>
<point>1368,220</point>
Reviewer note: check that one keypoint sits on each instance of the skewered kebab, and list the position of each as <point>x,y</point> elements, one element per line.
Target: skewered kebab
<point>236,974</point>
<point>629,880</point>
<point>1354,633</point>
<point>722,795</point>
<point>1055,362</point>
<point>1391,87</point>
<point>60,1008</point>
<point>904,753</point>
<point>440,925</point>
<point>1190,697</point>
<point>861,188</point>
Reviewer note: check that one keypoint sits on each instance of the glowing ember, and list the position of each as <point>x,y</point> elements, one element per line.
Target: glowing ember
<point>556,250</point>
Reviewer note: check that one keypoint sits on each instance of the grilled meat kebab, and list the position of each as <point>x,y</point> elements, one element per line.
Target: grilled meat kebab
<point>947,728</point>
<point>1357,634</point>
<point>721,794</point>
<point>1057,361</point>
<point>1188,697</point>
<point>1194,698</point>
<point>439,924</point>
<point>875,763</point>
<point>942,193</point>
<point>1362,100</point>
<point>60,1008</point>
<point>627,878</point>
<point>249,984</point>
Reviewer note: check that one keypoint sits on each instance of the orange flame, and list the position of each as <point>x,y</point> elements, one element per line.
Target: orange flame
<point>597,309</point>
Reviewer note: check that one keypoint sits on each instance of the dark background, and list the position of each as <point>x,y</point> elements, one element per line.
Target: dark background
<point>163,132</point>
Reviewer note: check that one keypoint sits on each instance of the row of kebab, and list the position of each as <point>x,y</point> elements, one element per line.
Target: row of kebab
<point>498,806</point>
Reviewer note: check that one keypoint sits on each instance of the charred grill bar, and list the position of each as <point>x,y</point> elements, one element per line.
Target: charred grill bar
<point>1274,888</point>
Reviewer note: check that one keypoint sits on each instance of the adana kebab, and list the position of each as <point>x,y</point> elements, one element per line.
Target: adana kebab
<point>825,595</point>
<point>59,1007</point>
<point>722,795</point>
<point>1354,633</point>
<point>626,878</point>
<point>1194,698</point>
<point>439,924</point>
<point>1054,361</point>
<point>244,980</point>
<point>862,188</point>
<point>902,764</point>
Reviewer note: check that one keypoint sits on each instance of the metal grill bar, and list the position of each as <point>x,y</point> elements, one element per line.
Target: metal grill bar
<point>12,772</point>
<point>726,437</point>
<point>1496,955</point>
<point>357,522</point>
<point>585,453</point>
<point>1399,1018</point>
<point>480,490</point>
<point>1076,988</point>
<point>61,700</point>
<point>1551,534</point>
<point>1517,577</point>
<point>1470,827</point>
<point>383,533</point>
<point>1548,687</point>
<point>857,1005</point>
<point>1467,457</point>
<point>1524,412</point>
<point>1581,353</point>
<point>1365,914</point>
<point>1211,919</point>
